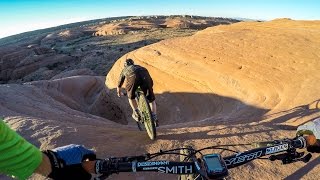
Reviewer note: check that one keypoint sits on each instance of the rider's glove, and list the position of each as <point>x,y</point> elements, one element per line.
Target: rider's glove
<point>311,128</point>
<point>66,162</point>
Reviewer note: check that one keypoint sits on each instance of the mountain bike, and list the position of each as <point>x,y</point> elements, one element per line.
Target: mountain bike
<point>207,166</point>
<point>145,114</point>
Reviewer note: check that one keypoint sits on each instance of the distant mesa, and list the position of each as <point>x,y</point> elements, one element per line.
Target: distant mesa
<point>282,19</point>
<point>133,24</point>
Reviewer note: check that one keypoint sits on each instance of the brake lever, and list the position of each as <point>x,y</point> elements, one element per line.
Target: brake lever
<point>288,158</point>
<point>306,158</point>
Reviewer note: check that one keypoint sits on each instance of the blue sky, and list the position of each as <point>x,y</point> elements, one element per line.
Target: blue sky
<point>18,16</point>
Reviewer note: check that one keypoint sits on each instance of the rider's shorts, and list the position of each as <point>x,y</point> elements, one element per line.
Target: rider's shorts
<point>143,79</point>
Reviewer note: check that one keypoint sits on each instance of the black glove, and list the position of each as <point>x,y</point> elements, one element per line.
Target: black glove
<point>313,149</point>
<point>66,162</point>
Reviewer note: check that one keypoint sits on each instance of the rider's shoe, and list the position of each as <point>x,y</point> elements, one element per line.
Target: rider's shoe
<point>155,118</point>
<point>136,115</point>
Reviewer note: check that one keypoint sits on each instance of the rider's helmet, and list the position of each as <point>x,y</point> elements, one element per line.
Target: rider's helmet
<point>128,62</point>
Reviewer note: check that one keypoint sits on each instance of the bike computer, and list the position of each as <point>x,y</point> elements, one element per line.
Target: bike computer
<point>215,166</point>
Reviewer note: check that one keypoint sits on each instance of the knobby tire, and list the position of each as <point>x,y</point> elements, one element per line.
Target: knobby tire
<point>146,116</point>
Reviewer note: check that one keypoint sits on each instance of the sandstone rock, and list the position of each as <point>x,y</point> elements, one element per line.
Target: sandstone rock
<point>37,62</point>
<point>76,72</point>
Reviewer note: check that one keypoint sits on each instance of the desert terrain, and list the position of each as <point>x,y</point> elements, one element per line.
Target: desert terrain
<point>231,83</point>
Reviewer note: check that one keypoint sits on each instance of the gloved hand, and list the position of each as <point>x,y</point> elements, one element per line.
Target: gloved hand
<point>66,162</point>
<point>311,128</point>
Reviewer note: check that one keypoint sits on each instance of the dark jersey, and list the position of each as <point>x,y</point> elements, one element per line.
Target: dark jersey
<point>129,71</point>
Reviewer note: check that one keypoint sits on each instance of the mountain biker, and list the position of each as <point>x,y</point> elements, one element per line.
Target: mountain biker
<point>19,159</point>
<point>136,76</point>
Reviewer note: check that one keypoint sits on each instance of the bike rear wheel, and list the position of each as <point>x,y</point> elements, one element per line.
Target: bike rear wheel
<point>147,116</point>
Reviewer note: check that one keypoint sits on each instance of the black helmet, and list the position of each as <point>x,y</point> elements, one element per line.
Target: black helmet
<point>128,62</point>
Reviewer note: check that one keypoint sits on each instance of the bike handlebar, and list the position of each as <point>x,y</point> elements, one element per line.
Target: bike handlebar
<point>279,146</point>
<point>140,163</point>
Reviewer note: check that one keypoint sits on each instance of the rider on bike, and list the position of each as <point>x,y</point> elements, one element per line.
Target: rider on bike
<point>136,76</point>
